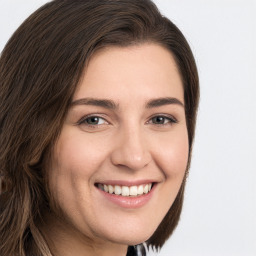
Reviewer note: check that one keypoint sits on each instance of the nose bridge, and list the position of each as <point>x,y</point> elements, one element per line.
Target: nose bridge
<point>131,148</point>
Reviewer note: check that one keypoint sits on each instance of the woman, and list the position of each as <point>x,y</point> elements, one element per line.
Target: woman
<point>98,104</point>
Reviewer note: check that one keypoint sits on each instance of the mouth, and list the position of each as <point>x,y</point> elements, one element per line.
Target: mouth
<point>127,194</point>
<point>126,191</point>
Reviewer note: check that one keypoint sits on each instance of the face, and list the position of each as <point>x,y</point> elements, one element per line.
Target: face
<point>122,152</point>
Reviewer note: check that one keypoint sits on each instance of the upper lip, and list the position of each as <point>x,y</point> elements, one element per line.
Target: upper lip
<point>127,183</point>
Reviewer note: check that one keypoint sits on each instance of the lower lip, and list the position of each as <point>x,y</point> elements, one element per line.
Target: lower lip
<point>127,201</point>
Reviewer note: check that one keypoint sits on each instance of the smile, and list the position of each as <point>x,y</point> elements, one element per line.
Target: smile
<point>127,191</point>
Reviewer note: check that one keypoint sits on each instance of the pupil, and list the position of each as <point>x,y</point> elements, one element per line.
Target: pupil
<point>159,120</point>
<point>93,120</point>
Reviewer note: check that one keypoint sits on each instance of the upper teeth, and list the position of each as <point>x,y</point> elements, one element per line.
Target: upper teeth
<point>125,190</point>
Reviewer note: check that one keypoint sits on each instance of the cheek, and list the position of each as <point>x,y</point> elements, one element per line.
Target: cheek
<point>75,161</point>
<point>77,155</point>
<point>172,155</point>
<point>171,158</point>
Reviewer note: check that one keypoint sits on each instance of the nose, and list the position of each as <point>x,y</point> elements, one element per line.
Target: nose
<point>131,150</point>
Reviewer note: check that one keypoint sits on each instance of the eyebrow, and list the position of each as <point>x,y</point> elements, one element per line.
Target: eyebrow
<point>163,101</point>
<point>110,104</point>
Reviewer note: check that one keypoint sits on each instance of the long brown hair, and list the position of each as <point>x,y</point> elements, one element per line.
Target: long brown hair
<point>40,68</point>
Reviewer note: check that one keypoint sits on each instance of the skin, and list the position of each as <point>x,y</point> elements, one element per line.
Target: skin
<point>126,143</point>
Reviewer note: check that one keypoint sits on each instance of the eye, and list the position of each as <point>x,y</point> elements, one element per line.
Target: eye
<point>93,121</point>
<point>162,120</point>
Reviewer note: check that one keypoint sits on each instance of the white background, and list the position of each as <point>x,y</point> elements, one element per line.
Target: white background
<point>219,217</point>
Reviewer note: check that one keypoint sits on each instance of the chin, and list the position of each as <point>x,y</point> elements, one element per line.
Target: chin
<point>128,236</point>
<point>131,239</point>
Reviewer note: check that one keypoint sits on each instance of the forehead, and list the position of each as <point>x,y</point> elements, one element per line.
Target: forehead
<point>138,71</point>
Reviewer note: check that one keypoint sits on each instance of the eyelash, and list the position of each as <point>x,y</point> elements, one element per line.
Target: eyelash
<point>84,120</point>
<point>170,120</point>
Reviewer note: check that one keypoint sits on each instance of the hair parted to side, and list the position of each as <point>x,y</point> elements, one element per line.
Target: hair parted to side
<point>40,68</point>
